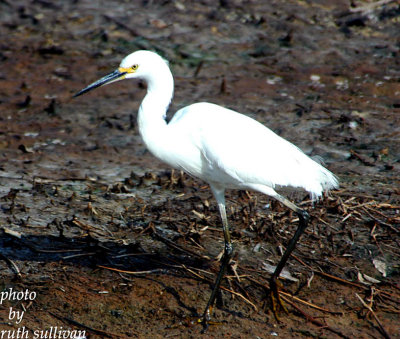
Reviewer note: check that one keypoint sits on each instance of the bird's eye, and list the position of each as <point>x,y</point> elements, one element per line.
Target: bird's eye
<point>134,67</point>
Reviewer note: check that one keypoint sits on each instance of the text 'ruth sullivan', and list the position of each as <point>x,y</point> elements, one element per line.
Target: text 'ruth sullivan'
<point>53,332</point>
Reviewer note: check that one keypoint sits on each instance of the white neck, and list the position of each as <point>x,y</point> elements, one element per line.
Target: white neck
<point>152,111</point>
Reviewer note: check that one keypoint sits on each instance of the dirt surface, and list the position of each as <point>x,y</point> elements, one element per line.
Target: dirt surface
<point>107,240</point>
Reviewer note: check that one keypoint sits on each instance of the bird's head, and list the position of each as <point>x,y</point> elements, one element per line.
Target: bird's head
<point>139,64</point>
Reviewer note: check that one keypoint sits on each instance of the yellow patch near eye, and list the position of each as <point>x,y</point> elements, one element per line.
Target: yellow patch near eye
<point>128,69</point>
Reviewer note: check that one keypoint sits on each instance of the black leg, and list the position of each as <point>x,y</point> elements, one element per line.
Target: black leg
<point>303,222</point>
<point>228,251</point>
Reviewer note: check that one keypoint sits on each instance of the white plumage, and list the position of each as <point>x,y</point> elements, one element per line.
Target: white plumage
<point>220,146</point>
<point>236,151</point>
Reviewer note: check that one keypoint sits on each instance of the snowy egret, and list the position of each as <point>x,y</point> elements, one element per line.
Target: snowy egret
<point>224,148</point>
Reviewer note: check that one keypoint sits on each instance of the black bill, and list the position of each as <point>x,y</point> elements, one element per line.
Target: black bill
<point>114,76</point>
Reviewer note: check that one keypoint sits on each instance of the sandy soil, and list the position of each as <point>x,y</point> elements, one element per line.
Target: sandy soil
<point>107,240</point>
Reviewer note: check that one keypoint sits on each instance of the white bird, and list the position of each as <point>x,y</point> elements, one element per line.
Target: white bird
<point>226,149</point>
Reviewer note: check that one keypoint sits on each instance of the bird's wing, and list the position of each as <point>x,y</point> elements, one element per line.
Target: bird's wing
<point>237,150</point>
<point>246,150</point>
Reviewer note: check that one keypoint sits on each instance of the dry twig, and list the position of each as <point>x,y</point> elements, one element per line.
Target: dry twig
<point>11,264</point>
<point>309,304</point>
<point>314,320</point>
<point>369,308</point>
<point>370,7</point>
<point>88,328</point>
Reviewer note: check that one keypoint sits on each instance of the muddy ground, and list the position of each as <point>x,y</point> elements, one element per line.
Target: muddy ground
<point>108,240</point>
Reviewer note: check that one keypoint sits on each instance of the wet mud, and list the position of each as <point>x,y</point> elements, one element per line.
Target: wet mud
<point>114,243</point>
